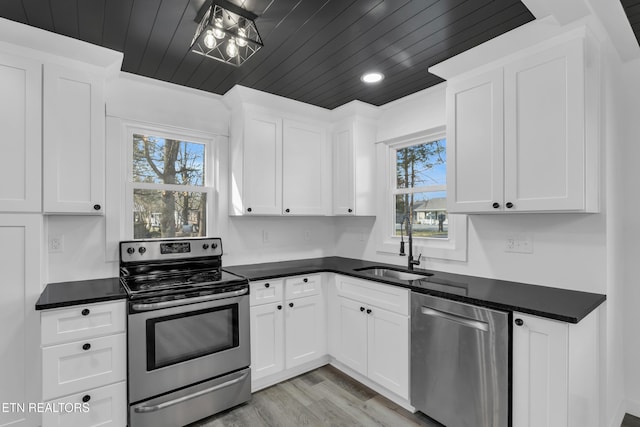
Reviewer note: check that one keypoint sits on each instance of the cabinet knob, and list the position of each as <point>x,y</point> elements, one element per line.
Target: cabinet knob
<point>496,205</point>
<point>287,210</point>
<point>509,205</point>
<point>361,308</point>
<point>368,311</point>
<point>519,322</point>
<point>279,307</point>
<point>97,207</point>
<point>305,280</point>
<point>290,304</point>
<point>86,312</point>
<point>249,209</point>
<point>86,346</point>
<point>86,398</point>
<point>349,210</point>
<point>266,285</point>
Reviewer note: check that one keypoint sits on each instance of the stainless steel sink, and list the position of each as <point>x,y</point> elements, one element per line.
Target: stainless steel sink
<point>395,274</point>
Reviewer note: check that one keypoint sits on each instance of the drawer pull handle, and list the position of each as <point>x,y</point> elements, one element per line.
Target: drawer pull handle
<point>496,205</point>
<point>290,304</point>
<point>305,280</point>
<point>279,307</point>
<point>86,398</point>
<point>97,207</point>
<point>86,312</point>
<point>266,285</point>
<point>86,346</point>
<point>519,322</point>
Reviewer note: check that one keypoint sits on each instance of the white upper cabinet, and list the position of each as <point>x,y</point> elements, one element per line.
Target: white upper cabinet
<point>73,141</point>
<point>262,166</point>
<point>523,137</point>
<point>20,121</point>
<point>279,166</point>
<point>305,171</point>
<point>353,168</point>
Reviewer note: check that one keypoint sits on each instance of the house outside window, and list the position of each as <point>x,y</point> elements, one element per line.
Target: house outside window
<point>169,185</point>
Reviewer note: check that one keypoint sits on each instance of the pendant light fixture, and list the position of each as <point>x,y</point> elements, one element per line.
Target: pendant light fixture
<point>226,32</point>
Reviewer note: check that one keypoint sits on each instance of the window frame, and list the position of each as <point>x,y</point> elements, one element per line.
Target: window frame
<point>166,132</point>
<point>454,247</point>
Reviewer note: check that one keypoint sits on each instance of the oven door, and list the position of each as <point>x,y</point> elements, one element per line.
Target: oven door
<point>175,344</point>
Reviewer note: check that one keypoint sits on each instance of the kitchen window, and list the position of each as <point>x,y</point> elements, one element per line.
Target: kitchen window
<point>169,184</point>
<point>415,188</point>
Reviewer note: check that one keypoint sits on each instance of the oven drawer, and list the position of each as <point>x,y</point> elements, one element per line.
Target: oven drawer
<point>303,286</point>
<point>265,292</point>
<point>104,407</point>
<point>82,365</point>
<point>193,403</point>
<point>82,321</point>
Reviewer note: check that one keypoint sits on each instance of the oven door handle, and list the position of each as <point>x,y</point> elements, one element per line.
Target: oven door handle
<point>175,303</point>
<point>168,403</point>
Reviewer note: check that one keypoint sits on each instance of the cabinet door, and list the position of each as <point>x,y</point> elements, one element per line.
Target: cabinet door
<point>267,340</point>
<point>305,181</point>
<point>104,407</point>
<point>20,254</point>
<point>343,172</point>
<point>351,340</point>
<point>305,326</point>
<point>545,130</point>
<point>388,350</point>
<point>262,165</point>
<point>21,124</point>
<point>475,144</point>
<point>540,372</point>
<point>73,141</point>
<point>81,365</point>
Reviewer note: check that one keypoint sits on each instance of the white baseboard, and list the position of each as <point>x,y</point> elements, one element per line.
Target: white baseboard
<point>375,387</point>
<point>260,383</point>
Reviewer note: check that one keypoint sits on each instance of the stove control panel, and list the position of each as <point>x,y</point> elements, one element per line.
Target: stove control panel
<point>150,250</point>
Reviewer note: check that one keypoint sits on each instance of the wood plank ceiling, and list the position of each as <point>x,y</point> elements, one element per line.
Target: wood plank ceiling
<point>315,50</point>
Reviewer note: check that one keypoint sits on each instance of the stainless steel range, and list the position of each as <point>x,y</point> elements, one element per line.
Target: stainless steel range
<point>188,337</point>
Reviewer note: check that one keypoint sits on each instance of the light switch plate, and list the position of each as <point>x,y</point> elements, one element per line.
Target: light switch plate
<point>519,243</point>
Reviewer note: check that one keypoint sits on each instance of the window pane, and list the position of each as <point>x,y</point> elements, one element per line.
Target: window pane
<point>167,161</point>
<point>427,211</point>
<point>158,213</point>
<point>422,164</point>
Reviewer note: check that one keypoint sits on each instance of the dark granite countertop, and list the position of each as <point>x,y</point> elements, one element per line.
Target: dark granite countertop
<point>65,294</point>
<point>554,303</point>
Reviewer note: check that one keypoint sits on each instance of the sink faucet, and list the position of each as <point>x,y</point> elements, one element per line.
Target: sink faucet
<point>410,261</point>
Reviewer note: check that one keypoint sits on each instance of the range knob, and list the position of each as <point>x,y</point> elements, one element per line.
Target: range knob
<point>142,250</point>
<point>130,251</point>
<point>205,246</point>
<point>214,245</point>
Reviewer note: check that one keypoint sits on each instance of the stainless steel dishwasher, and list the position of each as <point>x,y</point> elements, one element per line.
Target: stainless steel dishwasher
<point>460,363</point>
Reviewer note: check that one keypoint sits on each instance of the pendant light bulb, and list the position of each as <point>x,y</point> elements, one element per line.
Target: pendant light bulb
<point>240,40</point>
<point>209,39</point>
<point>232,48</point>
<point>218,32</point>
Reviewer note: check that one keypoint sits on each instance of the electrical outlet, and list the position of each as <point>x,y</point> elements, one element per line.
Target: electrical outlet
<point>56,244</point>
<point>519,243</point>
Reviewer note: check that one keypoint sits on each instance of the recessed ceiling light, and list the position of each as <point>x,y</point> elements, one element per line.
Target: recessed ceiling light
<point>373,77</point>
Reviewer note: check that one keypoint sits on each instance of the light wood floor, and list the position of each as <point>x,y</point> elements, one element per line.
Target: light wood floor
<point>323,397</point>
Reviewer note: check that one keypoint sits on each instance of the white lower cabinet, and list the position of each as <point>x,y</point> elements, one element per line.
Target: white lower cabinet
<point>84,365</point>
<point>555,372</point>
<point>288,328</point>
<point>370,334</point>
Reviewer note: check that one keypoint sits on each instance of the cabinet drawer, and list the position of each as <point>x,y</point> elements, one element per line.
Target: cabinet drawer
<point>265,292</point>
<point>391,298</point>
<point>106,406</point>
<point>83,365</point>
<point>303,286</point>
<point>82,321</point>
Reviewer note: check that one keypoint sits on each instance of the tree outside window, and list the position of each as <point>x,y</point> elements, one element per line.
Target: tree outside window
<point>169,194</point>
<point>420,191</point>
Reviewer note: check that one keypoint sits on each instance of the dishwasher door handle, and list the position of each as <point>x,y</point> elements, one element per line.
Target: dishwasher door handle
<point>464,321</point>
